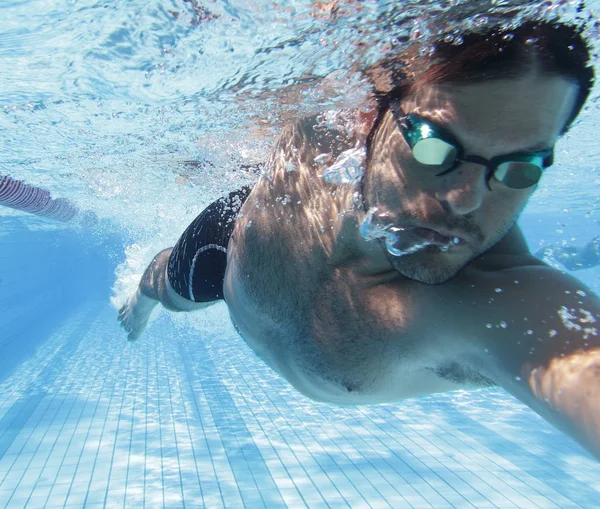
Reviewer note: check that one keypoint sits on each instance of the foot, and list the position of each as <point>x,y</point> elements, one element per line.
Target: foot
<point>135,313</point>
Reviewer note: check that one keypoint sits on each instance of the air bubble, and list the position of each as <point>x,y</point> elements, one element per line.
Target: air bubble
<point>347,168</point>
<point>458,40</point>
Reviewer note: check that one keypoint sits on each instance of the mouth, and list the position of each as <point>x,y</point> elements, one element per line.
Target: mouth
<point>431,236</point>
<point>405,240</point>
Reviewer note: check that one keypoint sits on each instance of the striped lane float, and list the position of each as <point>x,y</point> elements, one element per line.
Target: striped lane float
<point>21,196</point>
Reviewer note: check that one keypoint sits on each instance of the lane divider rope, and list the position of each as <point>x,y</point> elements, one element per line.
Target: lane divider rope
<point>21,196</point>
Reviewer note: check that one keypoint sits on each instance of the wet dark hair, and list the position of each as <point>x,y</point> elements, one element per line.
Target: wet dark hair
<point>552,48</point>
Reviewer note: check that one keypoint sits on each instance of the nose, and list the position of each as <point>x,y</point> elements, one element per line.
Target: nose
<point>462,190</point>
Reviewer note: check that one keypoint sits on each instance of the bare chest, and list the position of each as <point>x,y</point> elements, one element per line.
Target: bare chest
<point>333,331</point>
<point>335,335</point>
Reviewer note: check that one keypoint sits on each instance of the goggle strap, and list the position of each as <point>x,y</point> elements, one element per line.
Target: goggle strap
<point>488,177</point>
<point>399,117</point>
<point>445,172</point>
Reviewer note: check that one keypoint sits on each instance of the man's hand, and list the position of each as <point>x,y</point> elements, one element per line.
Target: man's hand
<point>135,313</point>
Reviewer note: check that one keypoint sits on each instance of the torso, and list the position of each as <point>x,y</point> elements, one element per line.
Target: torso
<point>298,294</point>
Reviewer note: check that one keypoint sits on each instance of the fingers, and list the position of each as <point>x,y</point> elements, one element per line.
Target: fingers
<point>128,324</point>
<point>133,319</point>
<point>133,333</point>
<point>124,318</point>
<point>133,336</point>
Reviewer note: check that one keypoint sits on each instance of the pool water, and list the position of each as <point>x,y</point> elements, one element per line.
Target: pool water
<point>140,113</point>
<point>188,417</point>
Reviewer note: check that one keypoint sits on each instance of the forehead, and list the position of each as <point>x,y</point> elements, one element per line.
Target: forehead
<point>515,113</point>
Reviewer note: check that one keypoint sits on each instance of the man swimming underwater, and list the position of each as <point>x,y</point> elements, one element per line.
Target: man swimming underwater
<point>415,278</point>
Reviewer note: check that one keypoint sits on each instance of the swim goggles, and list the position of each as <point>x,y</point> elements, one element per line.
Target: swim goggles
<point>434,146</point>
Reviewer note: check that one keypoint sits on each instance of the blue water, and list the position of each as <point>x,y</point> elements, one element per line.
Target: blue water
<point>106,104</point>
<point>189,417</point>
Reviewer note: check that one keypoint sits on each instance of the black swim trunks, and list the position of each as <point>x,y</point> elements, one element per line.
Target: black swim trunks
<point>197,264</point>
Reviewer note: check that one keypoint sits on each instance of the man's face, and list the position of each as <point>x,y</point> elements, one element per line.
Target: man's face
<point>490,118</point>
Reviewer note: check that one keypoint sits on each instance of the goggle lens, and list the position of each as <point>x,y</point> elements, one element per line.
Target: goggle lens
<point>518,174</point>
<point>435,152</point>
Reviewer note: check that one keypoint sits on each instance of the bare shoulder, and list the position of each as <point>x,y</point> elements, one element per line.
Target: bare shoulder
<point>552,287</point>
<point>525,276</point>
<point>523,296</point>
<point>508,290</point>
<point>511,260</point>
<point>307,144</point>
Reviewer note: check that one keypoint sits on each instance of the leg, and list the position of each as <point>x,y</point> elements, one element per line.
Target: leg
<point>190,275</point>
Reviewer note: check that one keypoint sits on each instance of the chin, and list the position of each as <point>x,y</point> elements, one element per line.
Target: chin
<point>431,265</point>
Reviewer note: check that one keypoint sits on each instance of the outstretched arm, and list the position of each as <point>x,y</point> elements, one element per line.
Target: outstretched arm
<point>547,350</point>
<point>154,288</point>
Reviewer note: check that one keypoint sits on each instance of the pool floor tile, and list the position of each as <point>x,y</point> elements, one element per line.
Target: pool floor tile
<point>187,416</point>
